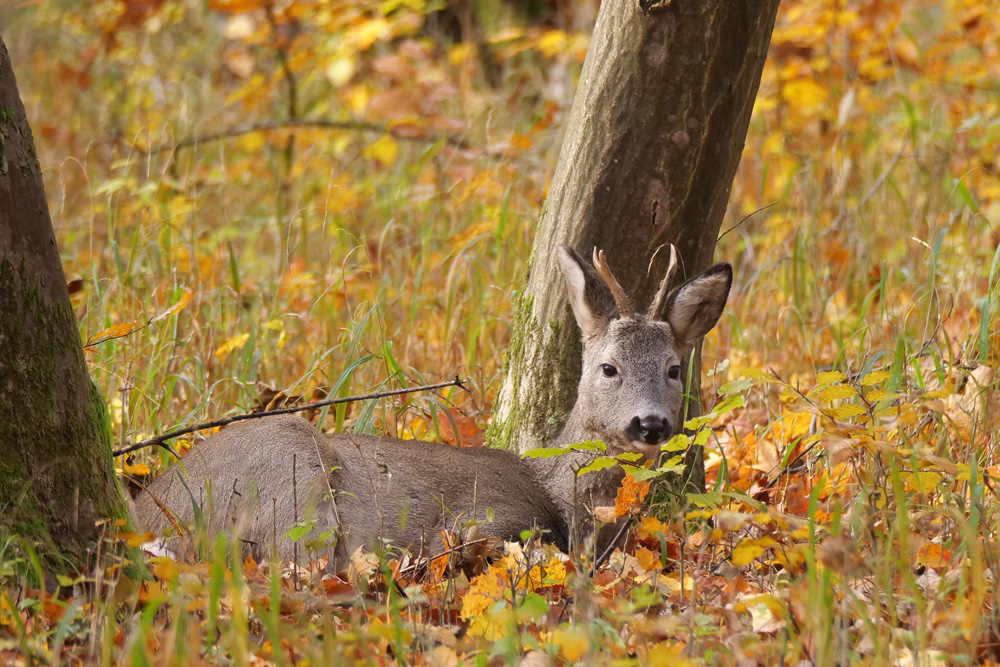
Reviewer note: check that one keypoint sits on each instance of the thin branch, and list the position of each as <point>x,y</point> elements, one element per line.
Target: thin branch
<point>745,218</point>
<point>622,530</point>
<point>425,561</point>
<point>321,123</point>
<point>611,546</point>
<point>159,440</point>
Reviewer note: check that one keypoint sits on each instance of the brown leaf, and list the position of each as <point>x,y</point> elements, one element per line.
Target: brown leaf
<point>469,433</point>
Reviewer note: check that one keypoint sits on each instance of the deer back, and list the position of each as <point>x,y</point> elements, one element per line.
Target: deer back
<point>261,477</point>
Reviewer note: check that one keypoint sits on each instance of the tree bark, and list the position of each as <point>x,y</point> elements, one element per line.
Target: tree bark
<point>56,477</point>
<point>653,141</point>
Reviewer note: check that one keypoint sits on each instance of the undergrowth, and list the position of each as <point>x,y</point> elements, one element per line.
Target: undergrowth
<point>224,252</point>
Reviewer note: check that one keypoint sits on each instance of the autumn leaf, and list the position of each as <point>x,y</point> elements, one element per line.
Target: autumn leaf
<point>117,331</point>
<point>572,642</point>
<point>231,344</point>
<point>874,378</point>
<point>837,392</point>
<point>750,550</point>
<point>181,304</point>
<point>630,495</point>
<point>829,377</point>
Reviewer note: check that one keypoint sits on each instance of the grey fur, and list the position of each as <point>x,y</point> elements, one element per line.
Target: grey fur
<point>404,492</point>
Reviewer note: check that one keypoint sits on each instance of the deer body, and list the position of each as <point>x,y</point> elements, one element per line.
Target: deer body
<point>264,476</point>
<point>368,488</point>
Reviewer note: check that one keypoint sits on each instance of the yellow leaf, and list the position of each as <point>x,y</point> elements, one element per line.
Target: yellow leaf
<point>572,643</point>
<point>769,602</point>
<point>460,53</point>
<point>829,377</point>
<point>552,42</point>
<point>138,539</point>
<point>176,308</point>
<point>874,378</point>
<point>837,391</point>
<point>666,655</point>
<point>384,150</point>
<point>923,481</point>
<point>649,526</point>
<point>847,411</point>
<point>946,390</point>
<point>555,572</point>
<point>750,550</point>
<point>367,32</point>
<point>648,559</point>
<point>233,343</point>
<point>672,582</point>
<point>805,94</point>
<point>252,142</point>
<point>137,469</point>
<point>879,395</point>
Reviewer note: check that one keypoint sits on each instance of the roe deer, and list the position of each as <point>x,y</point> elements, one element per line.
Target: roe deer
<point>265,475</point>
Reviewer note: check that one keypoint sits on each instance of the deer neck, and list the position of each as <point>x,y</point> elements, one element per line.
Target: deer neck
<point>576,495</point>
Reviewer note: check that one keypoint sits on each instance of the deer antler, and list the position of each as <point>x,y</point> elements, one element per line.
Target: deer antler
<point>661,294</point>
<point>621,299</point>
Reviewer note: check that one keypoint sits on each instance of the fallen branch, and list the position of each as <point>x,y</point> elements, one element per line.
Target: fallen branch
<point>159,440</point>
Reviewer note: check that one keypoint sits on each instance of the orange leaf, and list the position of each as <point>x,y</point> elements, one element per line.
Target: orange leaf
<point>630,496</point>
<point>176,308</point>
<point>117,331</point>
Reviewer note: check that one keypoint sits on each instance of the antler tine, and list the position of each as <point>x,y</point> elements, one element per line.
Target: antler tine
<point>661,293</point>
<point>621,299</point>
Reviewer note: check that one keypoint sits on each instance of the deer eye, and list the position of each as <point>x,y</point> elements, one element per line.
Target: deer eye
<point>674,372</point>
<point>609,370</point>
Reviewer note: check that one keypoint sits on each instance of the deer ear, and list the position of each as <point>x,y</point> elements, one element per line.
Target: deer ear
<point>694,308</point>
<point>589,296</point>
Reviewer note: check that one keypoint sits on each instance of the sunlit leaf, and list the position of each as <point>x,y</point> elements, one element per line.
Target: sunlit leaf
<point>117,331</point>
<point>735,387</point>
<point>231,344</point>
<point>181,304</point>
<point>874,378</point>
<point>836,392</point>
<point>600,463</point>
<point>750,550</point>
<point>845,412</point>
<point>573,643</point>
<point>828,377</point>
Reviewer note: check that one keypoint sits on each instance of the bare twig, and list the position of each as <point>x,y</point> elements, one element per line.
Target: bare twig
<point>159,439</point>
<point>425,561</point>
<point>598,563</point>
<point>611,546</point>
<point>315,123</point>
<point>745,218</point>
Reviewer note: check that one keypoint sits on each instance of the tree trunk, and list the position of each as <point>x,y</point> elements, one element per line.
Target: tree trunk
<point>56,478</point>
<point>653,141</point>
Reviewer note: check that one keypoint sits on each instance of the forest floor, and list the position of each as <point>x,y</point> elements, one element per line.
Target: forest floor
<point>289,200</point>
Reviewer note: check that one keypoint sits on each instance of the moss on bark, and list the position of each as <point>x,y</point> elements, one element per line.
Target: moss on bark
<point>56,479</point>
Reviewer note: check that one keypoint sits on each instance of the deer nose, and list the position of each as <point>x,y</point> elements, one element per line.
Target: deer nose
<point>650,429</point>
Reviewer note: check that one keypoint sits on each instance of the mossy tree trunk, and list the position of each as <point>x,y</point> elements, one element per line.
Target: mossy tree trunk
<point>652,144</point>
<point>56,477</point>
